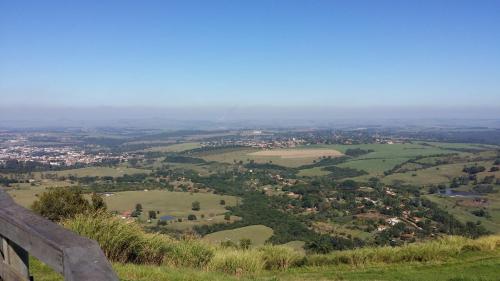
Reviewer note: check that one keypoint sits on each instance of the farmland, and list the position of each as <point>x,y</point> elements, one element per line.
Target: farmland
<point>258,234</point>
<point>176,204</point>
<point>94,172</point>
<point>179,147</point>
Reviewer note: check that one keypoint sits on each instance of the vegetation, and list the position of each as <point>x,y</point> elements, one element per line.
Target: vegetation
<point>61,203</point>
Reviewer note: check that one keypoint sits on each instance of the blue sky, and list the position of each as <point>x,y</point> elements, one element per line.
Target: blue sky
<point>250,53</point>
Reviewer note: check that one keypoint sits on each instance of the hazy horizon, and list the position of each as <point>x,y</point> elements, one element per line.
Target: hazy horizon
<point>238,117</point>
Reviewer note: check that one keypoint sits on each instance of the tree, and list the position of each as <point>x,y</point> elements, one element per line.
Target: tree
<point>222,202</point>
<point>245,243</point>
<point>98,203</point>
<point>60,203</point>
<point>227,217</point>
<point>138,208</point>
<point>192,217</point>
<point>152,215</point>
<point>195,206</point>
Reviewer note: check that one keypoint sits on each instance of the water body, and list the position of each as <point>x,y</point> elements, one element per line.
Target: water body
<point>454,193</point>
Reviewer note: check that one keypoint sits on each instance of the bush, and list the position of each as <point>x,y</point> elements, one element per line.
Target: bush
<point>195,206</point>
<point>60,203</point>
<point>192,217</point>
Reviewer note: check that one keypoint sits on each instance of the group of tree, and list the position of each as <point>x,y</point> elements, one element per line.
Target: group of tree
<point>61,203</point>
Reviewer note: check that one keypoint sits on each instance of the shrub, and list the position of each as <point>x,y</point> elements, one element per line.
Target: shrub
<point>60,203</point>
<point>195,206</point>
<point>245,243</point>
<point>192,217</point>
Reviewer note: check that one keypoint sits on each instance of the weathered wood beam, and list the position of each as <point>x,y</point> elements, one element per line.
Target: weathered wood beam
<point>76,257</point>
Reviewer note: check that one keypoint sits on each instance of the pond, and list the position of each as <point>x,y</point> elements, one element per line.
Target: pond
<point>455,193</point>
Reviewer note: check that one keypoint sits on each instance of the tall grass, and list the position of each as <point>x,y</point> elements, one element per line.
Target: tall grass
<point>126,242</point>
<point>437,250</point>
<point>235,261</point>
<point>280,257</point>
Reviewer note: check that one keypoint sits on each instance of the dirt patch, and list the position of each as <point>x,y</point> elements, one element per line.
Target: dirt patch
<point>298,153</point>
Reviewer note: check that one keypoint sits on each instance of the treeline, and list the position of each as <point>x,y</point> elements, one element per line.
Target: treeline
<point>325,161</point>
<point>450,225</point>
<point>183,159</point>
<point>398,168</point>
<point>355,152</point>
<point>342,173</point>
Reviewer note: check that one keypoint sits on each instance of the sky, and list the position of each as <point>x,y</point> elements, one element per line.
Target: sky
<point>238,54</point>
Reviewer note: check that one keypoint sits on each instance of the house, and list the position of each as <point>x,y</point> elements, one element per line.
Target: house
<point>392,221</point>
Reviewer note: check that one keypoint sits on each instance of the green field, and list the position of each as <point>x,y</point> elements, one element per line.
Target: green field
<point>178,147</point>
<point>94,171</point>
<point>258,234</point>
<point>246,155</point>
<point>439,174</point>
<point>456,207</point>
<point>177,204</point>
<point>385,156</point>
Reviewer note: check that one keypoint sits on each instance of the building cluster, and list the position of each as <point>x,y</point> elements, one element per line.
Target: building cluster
<point>257,143</point>
<point>55,156</point>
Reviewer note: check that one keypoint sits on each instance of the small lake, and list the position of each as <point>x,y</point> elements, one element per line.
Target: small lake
<point>454,193</point>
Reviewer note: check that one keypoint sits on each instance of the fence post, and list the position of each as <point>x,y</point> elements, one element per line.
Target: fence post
<point>15,260</point>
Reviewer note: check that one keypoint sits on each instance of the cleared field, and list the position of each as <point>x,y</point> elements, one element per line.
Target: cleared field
<point>258,234</point>
<point>26,196</point>
<point>179,147</point>
<point>284,157</point>
<point>386,156</point>
<point>313,172</point>
<point>176,204</point>
<point>94,171</point>
<point>456,207</point>
<point>297,153</point>
<point>438,174</point>
<point>296,245</point>
<point>187,224</point>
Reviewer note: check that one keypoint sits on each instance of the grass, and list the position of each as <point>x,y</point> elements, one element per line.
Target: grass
<point>258,234</point>
<point>95,171</point>
<point>383,158</point>
<point>179,147</point>
<point>246,154</point>
<point>177,204</point>
<point>439,174</point>
<point>449,258</point>
<point>463,213</point>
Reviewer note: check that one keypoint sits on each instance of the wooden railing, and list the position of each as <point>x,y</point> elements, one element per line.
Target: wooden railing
<point>23,233</point>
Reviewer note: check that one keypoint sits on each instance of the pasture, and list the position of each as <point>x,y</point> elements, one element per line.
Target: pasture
<point>178,147</point>
<point>438,174</point>
<point>176,204</point>
<point>293,157</point>
<point>258,234</point>
<point>385,156</point>
<point>458,207</point>
<point>93,172</point>
<point>297,153</point>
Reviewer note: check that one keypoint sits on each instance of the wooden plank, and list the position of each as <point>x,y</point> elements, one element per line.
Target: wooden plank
<point>15,258</point>
<point>7,273</point>
<point>76,257</point>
